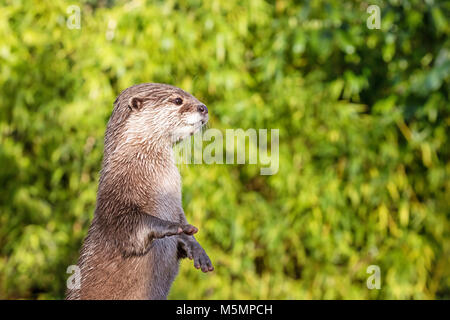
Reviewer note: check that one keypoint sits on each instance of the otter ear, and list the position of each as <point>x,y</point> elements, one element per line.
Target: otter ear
<point>136,103</point>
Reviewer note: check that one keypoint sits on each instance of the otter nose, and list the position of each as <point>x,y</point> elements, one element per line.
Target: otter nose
<point>202,109</point>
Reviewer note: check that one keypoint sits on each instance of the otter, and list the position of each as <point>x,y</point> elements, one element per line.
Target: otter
<point>139,231</point>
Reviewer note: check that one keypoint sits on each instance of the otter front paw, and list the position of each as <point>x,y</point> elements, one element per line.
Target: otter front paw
<point>187,229</point>
<point>168,229</point>
<point>201,259</point>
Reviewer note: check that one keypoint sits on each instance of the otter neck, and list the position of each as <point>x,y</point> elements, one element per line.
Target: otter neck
<point>143,173</point>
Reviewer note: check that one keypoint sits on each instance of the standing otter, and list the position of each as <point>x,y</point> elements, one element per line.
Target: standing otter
<point>139,231</point>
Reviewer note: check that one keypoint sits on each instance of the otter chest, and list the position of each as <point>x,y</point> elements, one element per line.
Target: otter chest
<point>167,196</point>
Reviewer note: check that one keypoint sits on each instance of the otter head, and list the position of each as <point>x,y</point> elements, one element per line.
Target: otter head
<point>159,114</point>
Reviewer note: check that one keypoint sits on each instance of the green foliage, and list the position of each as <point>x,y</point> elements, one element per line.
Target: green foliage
<point>364,141</point>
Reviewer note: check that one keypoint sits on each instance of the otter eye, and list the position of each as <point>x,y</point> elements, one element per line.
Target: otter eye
<point>178,101</point>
